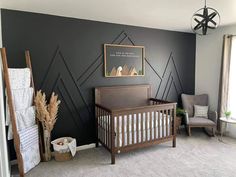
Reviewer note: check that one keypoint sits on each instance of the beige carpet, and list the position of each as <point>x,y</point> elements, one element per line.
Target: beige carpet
<point>198,155</point>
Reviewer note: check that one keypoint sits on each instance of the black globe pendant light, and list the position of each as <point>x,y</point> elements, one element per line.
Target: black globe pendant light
<point>205,20</point>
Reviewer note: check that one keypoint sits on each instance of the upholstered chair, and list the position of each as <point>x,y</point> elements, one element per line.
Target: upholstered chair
<point>208,122</point>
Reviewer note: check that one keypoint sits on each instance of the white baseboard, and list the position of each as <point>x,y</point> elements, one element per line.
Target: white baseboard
<point>87,146</point>
<point>78,148</point>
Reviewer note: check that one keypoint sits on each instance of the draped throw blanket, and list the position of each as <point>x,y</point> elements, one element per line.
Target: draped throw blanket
<point>31,157</point>
<point>22,95</point>
<point>19,78</point>
<point>28,137</point>
<point>24,118</point>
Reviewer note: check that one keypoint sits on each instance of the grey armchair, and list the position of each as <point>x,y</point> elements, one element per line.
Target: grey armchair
<point>188,102</point>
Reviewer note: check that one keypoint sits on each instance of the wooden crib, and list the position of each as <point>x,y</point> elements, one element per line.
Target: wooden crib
<point>127,118</point>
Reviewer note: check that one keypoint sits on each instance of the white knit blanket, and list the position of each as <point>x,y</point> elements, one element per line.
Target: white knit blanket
<point>19,78</point>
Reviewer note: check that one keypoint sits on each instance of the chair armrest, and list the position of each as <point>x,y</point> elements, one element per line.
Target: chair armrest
<point>186,117</point>
<point>212,115</point>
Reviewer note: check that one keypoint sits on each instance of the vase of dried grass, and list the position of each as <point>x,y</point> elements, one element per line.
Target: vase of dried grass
<point>47,145</point>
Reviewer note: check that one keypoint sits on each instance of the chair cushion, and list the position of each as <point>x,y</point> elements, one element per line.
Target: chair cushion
<point>200,111</point>
<point>201,121</point>
<point>190,100</point>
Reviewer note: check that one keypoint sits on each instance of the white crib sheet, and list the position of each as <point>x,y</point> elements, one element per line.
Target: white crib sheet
<point>148,138</point>
<point>137,119</point>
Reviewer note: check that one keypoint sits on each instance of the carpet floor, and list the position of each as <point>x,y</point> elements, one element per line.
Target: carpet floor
<point>195,156</point>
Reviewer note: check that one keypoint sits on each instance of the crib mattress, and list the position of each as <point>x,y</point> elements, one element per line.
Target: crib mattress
<point>163,133</point>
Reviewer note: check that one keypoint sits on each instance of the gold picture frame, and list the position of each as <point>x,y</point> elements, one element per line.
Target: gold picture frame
<point>124,60</point>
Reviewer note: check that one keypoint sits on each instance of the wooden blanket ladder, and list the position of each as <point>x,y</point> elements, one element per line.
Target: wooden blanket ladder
<point>16,137</point>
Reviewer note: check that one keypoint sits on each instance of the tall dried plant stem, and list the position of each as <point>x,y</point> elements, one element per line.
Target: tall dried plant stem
<point>47,115</point>
<point>47,144</point>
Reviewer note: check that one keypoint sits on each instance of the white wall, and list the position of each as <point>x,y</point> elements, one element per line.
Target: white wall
<point>4,163</point>
<point>208,63</point>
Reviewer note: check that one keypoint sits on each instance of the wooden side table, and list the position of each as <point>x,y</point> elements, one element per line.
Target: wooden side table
<point>225,121</point>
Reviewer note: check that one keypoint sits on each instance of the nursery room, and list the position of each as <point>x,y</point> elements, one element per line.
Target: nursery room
<point>117,88</point>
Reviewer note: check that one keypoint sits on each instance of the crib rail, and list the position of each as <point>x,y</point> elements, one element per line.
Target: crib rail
<point>141,125</point>
<point>103,124</point>
<point>122,130</point>
<point>155,101</point>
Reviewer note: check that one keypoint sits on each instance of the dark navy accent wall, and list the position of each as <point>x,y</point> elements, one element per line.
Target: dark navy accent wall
<point>67,57</point>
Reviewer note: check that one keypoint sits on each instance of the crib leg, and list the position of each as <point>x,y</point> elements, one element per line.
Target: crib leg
<point>174,142</point>
<point>97,144</point>
<point>113,158</point>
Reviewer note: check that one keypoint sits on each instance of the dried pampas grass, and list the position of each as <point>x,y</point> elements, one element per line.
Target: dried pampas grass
<point>46,114</point>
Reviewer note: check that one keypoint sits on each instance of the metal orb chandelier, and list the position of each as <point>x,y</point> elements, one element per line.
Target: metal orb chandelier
<point>205,20</point>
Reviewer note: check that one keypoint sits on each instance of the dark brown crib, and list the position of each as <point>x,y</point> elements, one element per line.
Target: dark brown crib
<point>127,118</point>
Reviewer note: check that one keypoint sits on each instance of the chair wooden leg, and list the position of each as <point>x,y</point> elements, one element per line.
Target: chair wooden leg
<point>209,133</point>
<point>189,131</point>
<point>174,142</point>
<point>213,131</point>
<point>113,158</point>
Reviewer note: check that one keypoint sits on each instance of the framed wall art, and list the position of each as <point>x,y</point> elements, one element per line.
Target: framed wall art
<point>123,60</point>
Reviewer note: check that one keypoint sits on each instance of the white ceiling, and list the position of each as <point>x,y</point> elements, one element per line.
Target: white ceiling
<point>163,14</point>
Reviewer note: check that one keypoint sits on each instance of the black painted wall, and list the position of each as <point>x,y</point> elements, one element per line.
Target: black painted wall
<point>67,57</point>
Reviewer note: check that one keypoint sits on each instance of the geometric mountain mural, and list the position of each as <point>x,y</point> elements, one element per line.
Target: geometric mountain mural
<point>60,78</point>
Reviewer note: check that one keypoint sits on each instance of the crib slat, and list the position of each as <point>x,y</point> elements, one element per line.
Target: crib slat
<point>150,125</point>
<point>103,126</point>
<point>96,116</point>
<point>162,119</point>
<point>123,131</point>
<point>141,127</point>
<point>167,115</point>
<point>107,132</point>
<point>118,131</point>
<point>159,126</point>
<point>146,125</point>
<point>154,127</point>
<point>108,129</point>
<point>137,128</point>
<point>170,124</point>
<point>132,128</point>
<point>100,121</point>
<point>100,115</point>
<point>97,123</point>
<point>128,129</point>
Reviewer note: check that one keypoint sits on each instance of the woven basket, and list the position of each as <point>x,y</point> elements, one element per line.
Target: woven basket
<point>61,157</point>
<point>62,152</point>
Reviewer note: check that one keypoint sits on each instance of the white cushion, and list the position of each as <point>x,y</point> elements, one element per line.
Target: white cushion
<point>200,111</point>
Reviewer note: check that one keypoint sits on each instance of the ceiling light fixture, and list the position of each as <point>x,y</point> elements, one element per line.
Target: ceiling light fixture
<point>205,20</point>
